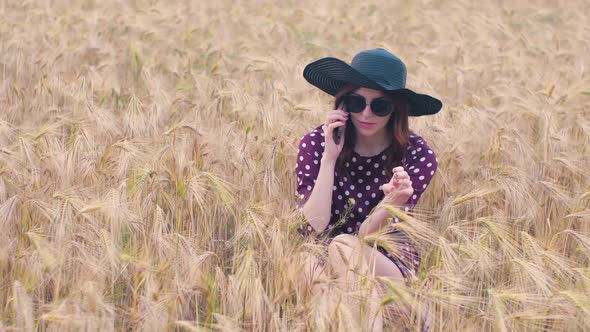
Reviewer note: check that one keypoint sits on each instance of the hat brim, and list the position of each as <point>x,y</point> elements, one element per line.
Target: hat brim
<point>331,74</point>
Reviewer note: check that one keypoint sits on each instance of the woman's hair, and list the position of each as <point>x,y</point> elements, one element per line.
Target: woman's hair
<point>397,128</point>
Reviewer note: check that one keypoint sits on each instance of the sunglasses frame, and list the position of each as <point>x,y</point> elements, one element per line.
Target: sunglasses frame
<point>381,114</point>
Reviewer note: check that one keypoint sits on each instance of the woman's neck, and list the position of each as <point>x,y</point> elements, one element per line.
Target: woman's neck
<point>371,145</point>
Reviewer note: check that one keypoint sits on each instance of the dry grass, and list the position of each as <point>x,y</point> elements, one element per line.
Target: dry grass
<point>147,156</point>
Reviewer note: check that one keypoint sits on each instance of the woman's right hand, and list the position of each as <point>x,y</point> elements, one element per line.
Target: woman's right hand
<point>334,119</point>
<point>399,189</point>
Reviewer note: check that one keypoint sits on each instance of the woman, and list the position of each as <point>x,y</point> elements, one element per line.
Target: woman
<point>362,156</point>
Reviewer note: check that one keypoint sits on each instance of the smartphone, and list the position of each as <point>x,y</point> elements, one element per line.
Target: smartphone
<point>338,131</point>
<point>336,135</point>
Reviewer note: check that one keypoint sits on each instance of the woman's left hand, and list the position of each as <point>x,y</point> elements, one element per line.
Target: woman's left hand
<point>399,189</point>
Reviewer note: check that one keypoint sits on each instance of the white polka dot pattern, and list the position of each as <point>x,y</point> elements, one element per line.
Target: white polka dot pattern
<point>360,184</point>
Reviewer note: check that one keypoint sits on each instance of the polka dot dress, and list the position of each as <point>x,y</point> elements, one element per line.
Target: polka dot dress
<point>355,194</point>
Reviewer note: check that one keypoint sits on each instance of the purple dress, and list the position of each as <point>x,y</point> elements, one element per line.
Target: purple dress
<point>364,185</point>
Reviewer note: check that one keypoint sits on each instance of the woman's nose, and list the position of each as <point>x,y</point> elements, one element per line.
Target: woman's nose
<point>367,111</point>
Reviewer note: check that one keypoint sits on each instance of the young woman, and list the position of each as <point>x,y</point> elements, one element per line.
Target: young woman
<point>363,155</point>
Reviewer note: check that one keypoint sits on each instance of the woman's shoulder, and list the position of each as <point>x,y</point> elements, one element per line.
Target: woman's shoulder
<point>313,141</point>
<point>419,152</point>
<point>418,142</point>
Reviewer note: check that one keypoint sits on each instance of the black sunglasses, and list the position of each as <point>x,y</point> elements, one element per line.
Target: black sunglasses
<point>356,104</point>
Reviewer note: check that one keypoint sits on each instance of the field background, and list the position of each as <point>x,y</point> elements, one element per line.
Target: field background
<point>147,154</point>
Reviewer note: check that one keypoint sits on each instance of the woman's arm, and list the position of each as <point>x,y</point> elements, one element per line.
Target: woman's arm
<point>316,185</point>
<point>421,165</point>
<point>317,208</point>
<point>378,219</point>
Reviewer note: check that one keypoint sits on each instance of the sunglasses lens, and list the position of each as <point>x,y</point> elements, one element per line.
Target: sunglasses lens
<point>354,104</point>
<point>381,107</point>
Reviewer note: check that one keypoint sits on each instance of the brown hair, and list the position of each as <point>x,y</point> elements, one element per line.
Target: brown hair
<point>397,127</point>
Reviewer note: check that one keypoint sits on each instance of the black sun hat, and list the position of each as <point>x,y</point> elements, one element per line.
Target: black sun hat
<point>374,69</point>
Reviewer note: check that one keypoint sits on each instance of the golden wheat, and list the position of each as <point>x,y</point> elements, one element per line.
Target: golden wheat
<point>147,151</point>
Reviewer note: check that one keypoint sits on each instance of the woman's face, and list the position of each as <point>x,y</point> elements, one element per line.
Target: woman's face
<point>366,123</point>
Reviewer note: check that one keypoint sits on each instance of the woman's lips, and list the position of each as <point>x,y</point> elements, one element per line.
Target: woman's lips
<point>366,124</point>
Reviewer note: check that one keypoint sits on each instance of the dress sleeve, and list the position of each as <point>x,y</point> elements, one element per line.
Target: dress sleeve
<point>309,155</point>
<point>421,164</point>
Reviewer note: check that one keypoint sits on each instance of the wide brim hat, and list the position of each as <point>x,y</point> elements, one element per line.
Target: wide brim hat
<point>374,69</point>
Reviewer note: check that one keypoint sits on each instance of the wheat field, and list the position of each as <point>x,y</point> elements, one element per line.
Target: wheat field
<point>147,155</point>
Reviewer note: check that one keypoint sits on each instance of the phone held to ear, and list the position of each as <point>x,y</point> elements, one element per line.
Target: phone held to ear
<point>338,131</point>
<point>336,135</point>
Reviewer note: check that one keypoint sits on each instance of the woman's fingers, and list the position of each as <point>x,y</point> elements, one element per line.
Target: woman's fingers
<point>329,132</point>
<point>387,188</point>
<point>336,117</point>
<point>400,183</point>
<point>403,183</point>
<point>336,124</point>
<point>397,169</point>
<point>337,113</point>
<point>401,175</point>
<point>333,116</point>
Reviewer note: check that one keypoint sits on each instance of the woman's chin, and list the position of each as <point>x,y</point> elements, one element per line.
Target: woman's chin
<point>367,132</point>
